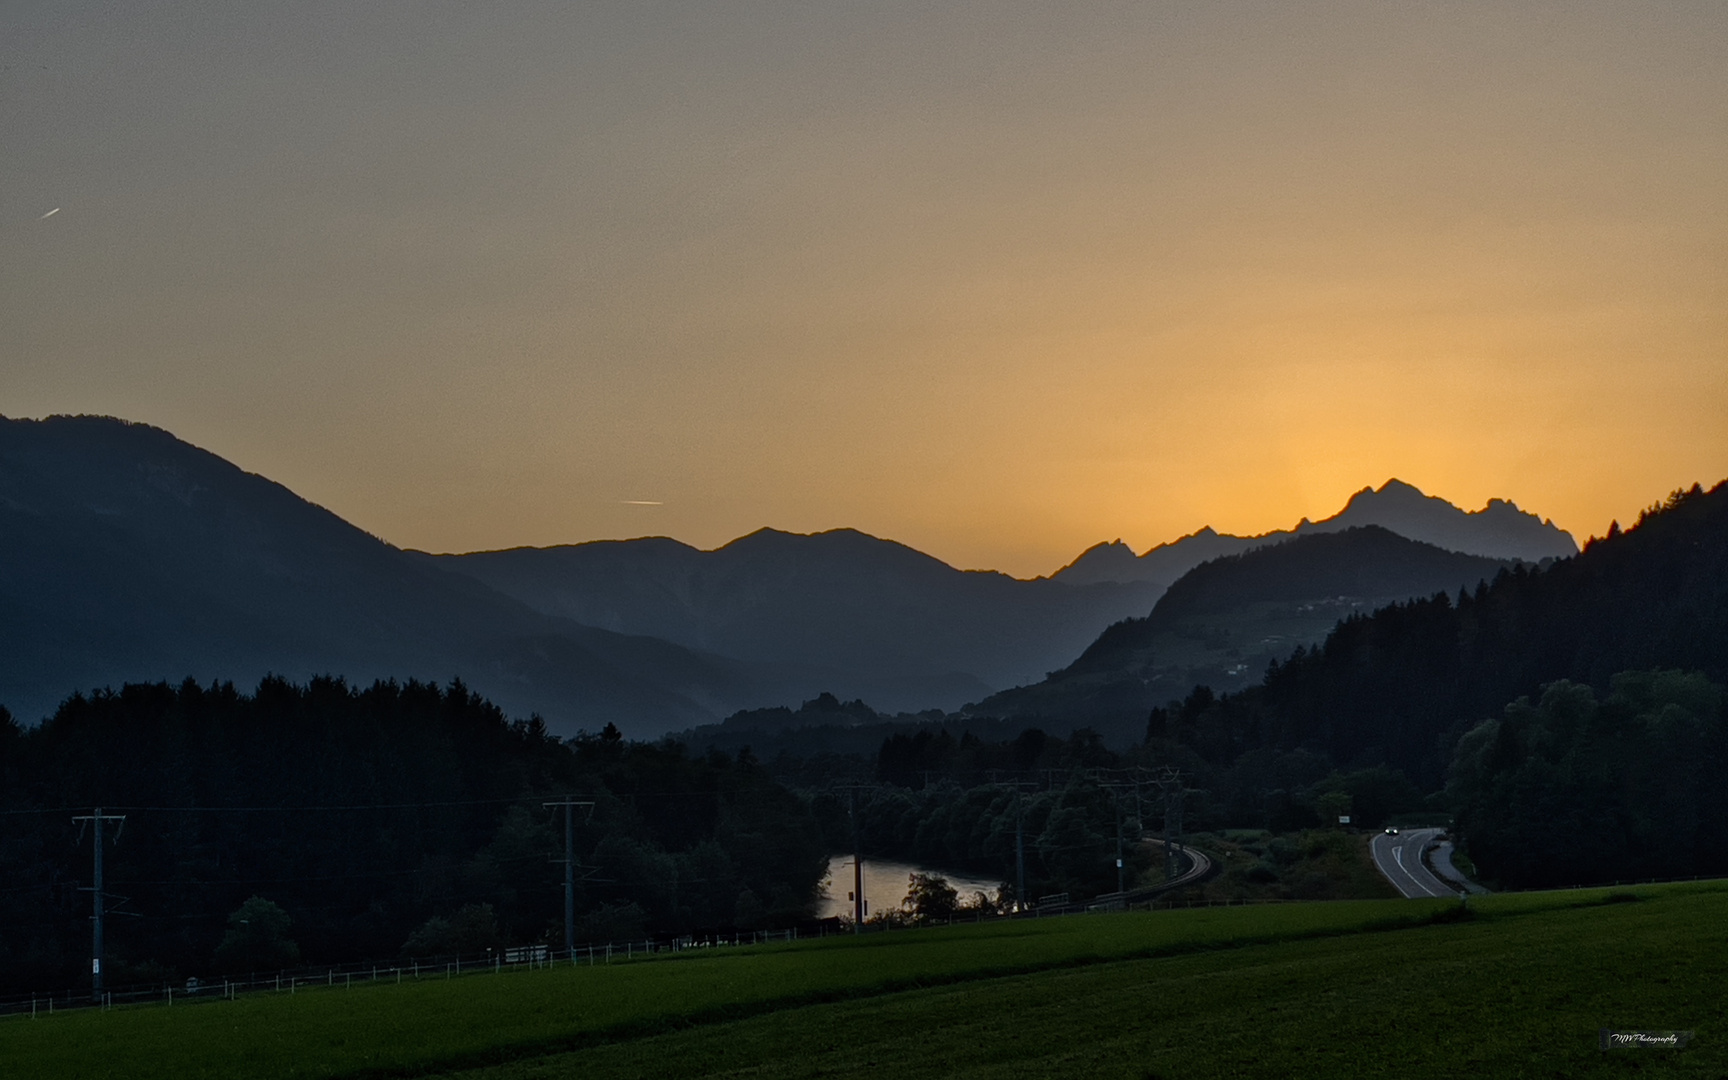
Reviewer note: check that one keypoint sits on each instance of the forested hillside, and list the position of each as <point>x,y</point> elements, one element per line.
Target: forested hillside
<point>1402,684</point>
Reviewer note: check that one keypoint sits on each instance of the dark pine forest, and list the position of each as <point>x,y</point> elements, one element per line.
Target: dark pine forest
<point>389,819</point>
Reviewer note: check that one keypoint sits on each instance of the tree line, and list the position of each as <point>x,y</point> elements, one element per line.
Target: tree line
<point>379,820</point>
<point>1581,786</point>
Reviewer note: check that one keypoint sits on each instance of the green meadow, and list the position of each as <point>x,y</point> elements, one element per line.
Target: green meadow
<point>1516,986</point>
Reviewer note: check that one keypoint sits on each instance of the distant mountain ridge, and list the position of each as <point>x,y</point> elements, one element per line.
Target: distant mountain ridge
<point>839,611</point>
<point>1500,530</point>
<point>129,555</point>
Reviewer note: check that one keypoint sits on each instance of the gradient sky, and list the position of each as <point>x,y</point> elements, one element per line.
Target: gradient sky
<point>996,280</point>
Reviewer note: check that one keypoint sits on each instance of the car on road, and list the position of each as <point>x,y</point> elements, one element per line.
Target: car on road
<point>1391,831</point>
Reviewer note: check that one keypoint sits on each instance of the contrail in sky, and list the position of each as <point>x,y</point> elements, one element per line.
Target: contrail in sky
<point>642,502</point>
<point>49,214</point>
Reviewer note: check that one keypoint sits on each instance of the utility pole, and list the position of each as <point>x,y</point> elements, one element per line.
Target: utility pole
<point>1019,837</point>
<point>1172,833</point>
<point>855,817</point>
<point>570,805</point>
<point>98,897</point>
<point>1019,852</point>
<point>1105,778</point>
<point>1121,885</point>
<point>858,908</point>
<point>1171,784</point>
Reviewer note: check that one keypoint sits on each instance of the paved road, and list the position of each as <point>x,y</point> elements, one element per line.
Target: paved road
<point>1400,859</point>
<point>1441,860</point>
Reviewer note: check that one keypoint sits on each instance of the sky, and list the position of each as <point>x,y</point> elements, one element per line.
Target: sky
<point>998,281</point>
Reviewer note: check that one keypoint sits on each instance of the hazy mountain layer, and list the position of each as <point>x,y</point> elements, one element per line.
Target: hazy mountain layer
<point>1499,531</point>
<point>128,555</point>
<point>1226,620</point>
<point>840,611</point>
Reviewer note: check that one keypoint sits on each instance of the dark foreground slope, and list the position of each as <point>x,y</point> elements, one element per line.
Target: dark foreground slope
<point>840,611</point>
<point>128,555</point>
<point>1379,989</point>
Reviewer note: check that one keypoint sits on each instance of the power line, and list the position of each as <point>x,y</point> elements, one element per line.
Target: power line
<point>738,796</point>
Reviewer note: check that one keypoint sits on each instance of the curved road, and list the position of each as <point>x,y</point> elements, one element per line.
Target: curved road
<point>1199,865</point>
<point>1400,859</point>
<point>1441,861</point>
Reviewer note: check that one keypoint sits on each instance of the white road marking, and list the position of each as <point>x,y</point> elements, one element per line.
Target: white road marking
<point>1398,858</point>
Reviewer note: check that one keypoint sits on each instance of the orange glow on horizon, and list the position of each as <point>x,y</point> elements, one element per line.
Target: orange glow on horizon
<point>994,282</point>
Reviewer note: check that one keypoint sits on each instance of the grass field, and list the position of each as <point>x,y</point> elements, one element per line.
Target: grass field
<point>1371,988</point>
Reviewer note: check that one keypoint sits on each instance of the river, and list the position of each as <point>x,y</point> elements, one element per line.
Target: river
<point>886,884</point>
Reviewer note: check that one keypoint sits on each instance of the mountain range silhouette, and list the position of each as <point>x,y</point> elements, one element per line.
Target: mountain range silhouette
<point>129,555</point>
<point>1499,530</point>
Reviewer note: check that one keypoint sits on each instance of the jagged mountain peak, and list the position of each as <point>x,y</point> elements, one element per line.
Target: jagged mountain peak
<point>1103,561</point>
<point>1499,530</point>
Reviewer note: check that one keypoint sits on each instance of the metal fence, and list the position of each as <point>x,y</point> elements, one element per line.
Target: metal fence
<point>195,990</point>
